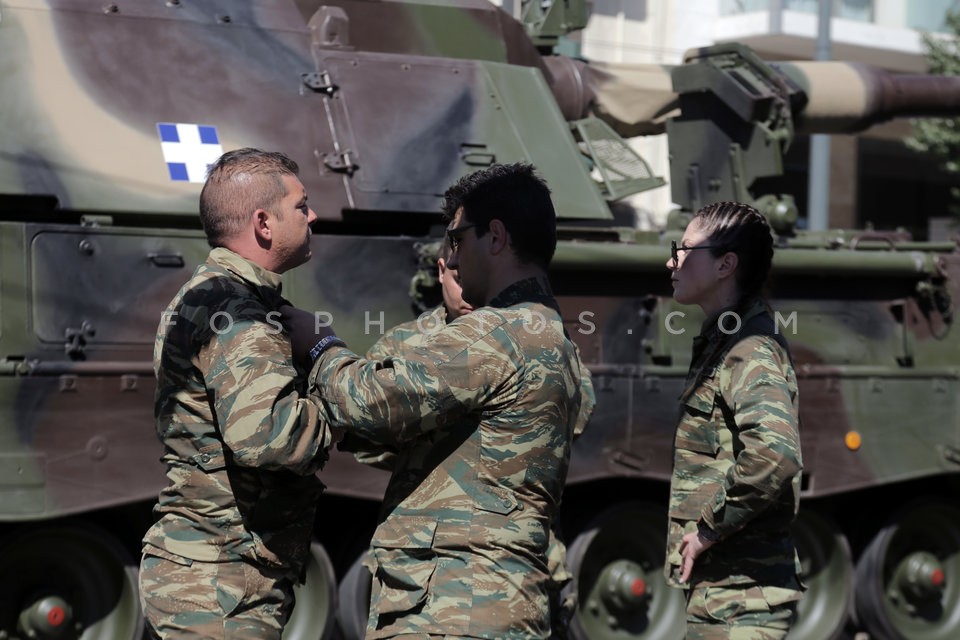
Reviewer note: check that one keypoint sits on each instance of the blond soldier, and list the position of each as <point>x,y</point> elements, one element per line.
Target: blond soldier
<point>482,415</point>
<point>241,443</point>
<point>736,476</point>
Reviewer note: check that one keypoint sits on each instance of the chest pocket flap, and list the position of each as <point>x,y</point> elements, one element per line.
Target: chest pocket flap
<point>494,499</point>
<point>697,431</point>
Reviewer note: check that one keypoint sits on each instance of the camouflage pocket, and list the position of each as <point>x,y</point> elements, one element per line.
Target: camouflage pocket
<point>695,433</point>
<point>401,579</point>
<point>493,499</point>
<point>157,552</point>
<point>725,605</point>
<point>776,596</point>
<point>231,585</point>
<point>745,606</point>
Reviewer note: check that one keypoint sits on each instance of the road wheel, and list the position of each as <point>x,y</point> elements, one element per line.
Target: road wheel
<point>313,616</point>
<point>828,573</point>
<point>354,600</point>
<point>908,577</point>
<point>67,581</point>
<point>617,564</point>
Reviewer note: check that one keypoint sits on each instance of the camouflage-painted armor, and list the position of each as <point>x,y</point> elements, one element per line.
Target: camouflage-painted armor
<point>483,414</point>
<point>242,443</point>
<point>737,461</point>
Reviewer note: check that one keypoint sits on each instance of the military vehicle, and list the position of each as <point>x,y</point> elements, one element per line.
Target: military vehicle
<point>110,113</point>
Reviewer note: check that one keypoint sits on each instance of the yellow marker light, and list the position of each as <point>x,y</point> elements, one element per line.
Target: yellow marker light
<point>852,440</point>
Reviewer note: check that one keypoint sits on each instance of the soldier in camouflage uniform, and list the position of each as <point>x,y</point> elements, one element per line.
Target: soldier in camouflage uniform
<point>241,442</point>
<point>413,333</point>
<point>482,415</point>
<point>736,478</point>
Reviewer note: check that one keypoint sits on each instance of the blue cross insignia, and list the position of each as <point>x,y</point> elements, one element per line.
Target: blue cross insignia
<point>189,149</point>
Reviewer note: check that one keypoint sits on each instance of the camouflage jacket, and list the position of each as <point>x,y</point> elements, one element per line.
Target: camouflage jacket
<point>241,441</point>
<point>737,460</point>
<point>409,334</point>
<point>395,342</point>
<point>482,414</point>
<point>406,336</point>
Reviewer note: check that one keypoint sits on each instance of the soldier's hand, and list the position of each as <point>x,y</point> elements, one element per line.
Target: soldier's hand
<point>305,330</point>
<point>692,545</point>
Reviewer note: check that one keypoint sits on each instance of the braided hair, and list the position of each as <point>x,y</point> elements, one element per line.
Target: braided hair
<point>738,227</point>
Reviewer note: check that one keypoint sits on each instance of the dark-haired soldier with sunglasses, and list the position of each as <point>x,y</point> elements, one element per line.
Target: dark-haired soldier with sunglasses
<point>483,414</point>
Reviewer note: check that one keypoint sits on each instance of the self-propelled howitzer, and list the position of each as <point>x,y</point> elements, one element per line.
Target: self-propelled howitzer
<point>110,113</point>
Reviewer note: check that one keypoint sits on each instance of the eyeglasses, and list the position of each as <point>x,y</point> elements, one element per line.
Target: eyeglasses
<point>453,235</point>
<point>675,250</point>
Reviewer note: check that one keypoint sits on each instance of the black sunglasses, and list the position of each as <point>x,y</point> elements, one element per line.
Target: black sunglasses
<point>675,250</point>
<point>453,235</point>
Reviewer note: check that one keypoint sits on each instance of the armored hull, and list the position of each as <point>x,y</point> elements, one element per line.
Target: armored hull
<point>110,114</point>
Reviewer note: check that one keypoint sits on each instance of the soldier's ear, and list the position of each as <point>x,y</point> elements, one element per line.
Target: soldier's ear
<point>499,238</point>
<point>728,264</point>
<point>262,225</point>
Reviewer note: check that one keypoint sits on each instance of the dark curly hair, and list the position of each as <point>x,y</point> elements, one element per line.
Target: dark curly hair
<point>518,197</point>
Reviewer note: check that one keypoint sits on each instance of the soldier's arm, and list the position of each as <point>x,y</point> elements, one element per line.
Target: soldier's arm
<point>374,454</point>
<point>393,401</point>
<point>755,384</point>
<point>588,400</point>
<point>264,420</point>
<point>387,345</point>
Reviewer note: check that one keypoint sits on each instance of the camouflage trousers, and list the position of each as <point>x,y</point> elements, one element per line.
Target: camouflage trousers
<point>741,612</point>
<point>183,598</point>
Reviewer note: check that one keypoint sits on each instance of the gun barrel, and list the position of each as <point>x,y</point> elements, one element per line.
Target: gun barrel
<point>840,97</point>
<point>845,97</point>
<point>645,258</point>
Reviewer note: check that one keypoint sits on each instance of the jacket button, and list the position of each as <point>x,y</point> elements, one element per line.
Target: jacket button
<point>204,458</point>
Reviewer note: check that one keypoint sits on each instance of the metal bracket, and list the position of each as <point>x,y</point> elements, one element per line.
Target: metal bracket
<point>341,162</point>
<point>77,339</point>
<point>319,82</point>
<point>476,155</point>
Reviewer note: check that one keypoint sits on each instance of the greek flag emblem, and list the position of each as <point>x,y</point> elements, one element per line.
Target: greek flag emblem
<point>189,149</point>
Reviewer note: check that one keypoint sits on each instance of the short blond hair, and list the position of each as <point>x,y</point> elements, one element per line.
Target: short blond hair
<point>239,183</point>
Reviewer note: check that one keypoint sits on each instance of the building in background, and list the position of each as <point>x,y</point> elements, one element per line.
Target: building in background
<point>875,178</point>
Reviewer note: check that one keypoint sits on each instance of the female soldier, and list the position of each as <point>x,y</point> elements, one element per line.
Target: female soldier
<point>736,477</point>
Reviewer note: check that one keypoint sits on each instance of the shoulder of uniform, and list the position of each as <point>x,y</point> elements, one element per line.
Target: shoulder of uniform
<point>754,346</point>
<point>478,324</point>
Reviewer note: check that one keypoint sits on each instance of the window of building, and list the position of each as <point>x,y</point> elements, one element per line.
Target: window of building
<point>929,15</point>
<point>859,10</point>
